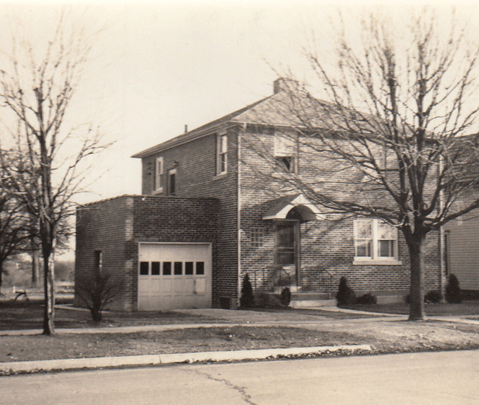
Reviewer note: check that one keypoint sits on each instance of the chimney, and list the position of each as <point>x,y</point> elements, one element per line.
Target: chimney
<point>186,128</point>
<point>284,84</point>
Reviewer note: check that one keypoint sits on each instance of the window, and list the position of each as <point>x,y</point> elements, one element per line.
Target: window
<point>155,268</point>
<point>167,268</point>
<point>98,261</point>
<point>200,268</point>
<point>178,268</point>
<point>222,154</point>
<point>172,182</point>
<point>189,268</point>
<point>158,175</point>
<point>375,240</point>
<point>285,152</point>
<point>144,268</point>
<point>256,237</point>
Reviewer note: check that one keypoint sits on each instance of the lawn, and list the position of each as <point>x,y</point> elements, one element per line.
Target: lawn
<point>467,308</point>
<point>235,330</point>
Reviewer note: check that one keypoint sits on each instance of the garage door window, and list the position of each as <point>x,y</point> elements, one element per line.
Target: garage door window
<point>167,268</point>
<point>200,268</point>
<point>155,268</point>
<point>144,268</point>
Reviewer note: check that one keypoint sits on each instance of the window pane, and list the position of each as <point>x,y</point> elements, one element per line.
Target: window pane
<point>223,144</point>
<point>167,268</point>
<point>144,268</point>
<point>363,248</point>
<point>155,268</point>
<point>386,248</point>
<point>189,268</point>
<point>178,268</point>
<point>386,231</point>
<point>200,268</point>
<point>363,229</point>
<point>285,235</point>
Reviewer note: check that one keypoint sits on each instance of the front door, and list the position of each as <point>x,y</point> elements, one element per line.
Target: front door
<point>287,245</point>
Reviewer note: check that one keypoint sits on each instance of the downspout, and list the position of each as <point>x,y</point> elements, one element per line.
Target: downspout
<point>441,237</point>
<point>238,147</point>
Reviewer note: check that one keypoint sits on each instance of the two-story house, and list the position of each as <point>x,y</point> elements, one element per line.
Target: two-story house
<point>215,206</point>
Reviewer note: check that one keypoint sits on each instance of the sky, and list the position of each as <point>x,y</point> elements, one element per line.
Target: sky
<point>159,66</point>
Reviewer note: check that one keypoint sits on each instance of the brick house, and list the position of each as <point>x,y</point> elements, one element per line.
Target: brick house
<point>212,200</point>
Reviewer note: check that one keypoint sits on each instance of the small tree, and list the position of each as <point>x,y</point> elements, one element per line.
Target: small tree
<point>453,291</point>
<point>247,298</point>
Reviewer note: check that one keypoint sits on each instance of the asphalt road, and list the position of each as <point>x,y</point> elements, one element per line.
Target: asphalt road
<point>421,378</point>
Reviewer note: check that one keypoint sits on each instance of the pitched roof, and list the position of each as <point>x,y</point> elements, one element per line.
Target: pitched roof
<point>275,110</point>
<point>238,116</point>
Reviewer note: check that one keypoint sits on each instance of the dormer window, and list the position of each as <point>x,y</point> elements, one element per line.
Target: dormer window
<point>222,154</point>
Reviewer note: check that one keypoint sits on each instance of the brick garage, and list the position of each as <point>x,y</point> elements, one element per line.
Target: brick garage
<point>116,227</point>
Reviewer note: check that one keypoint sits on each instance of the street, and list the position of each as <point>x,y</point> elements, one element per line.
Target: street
<point>420,378</point>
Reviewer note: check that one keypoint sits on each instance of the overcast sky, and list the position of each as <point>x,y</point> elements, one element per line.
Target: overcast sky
<point>166,64</point>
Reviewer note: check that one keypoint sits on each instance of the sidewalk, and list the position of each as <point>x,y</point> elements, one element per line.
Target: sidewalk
<point>233,318</point>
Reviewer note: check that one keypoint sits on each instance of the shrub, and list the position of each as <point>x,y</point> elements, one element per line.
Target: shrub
<point>247,298</point>
<point>345,295</point>
<point>97,292</point>
<point>285,296</point>
<point>453,291</point>
<point>367,299</point>
<point>433,296</point>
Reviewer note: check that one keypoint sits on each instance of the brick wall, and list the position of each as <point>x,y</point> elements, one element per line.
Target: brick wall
<point>118,225</point>
<point>326,244</point>
<point>195,163</point>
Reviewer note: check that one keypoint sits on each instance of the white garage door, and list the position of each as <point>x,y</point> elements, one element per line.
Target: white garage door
<point>174,276</point>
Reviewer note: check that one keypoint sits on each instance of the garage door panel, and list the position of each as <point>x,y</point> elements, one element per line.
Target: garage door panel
<point>200,286</point>
<point>178,276</point>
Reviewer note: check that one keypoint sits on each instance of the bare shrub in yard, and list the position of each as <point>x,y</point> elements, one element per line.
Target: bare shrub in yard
<point>97,292</point>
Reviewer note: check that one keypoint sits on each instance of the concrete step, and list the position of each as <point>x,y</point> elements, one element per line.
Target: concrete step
<point>312,303</point>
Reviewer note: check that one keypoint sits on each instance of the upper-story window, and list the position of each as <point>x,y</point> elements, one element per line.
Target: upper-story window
<point>159,175</point>
<point>172,182</point>
<point>98,262</point>
<point>375,240</point>
<point>285,153</point>
<point>222,154</point>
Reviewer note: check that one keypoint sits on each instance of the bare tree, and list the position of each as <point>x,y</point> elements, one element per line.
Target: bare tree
<point>14,229</point>
<point>389,140</point>
<point>37,85</point>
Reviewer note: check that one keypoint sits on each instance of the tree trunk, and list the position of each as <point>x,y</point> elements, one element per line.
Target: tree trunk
<point>35,267</point>
<point>416,253</point>
<point>49,307</point>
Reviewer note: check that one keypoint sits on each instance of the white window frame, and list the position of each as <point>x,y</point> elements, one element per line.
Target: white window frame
<point>158,175</point>
<point>171,172</point>
<point>285,147</point>
<point>221,153</point>
<point>374,248</point>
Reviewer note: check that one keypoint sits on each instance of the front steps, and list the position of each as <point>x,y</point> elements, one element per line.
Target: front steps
<point>309,300</point>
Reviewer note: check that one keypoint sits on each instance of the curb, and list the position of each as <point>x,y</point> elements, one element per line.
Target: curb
<point>167,359</point>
